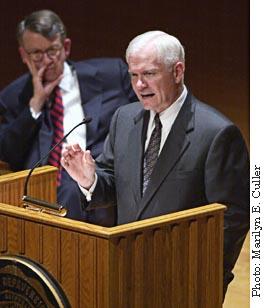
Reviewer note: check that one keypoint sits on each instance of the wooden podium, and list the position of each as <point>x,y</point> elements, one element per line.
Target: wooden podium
<point>170,261</point>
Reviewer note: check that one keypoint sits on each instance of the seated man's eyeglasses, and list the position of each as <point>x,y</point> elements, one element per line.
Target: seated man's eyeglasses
<point>37,55</point>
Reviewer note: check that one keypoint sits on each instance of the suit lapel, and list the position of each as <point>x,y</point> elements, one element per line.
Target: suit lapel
<point>91,96</point>
<point>135,152</point>
<point>46,132</point>
<point>45,141</point>
<point>174,147</point>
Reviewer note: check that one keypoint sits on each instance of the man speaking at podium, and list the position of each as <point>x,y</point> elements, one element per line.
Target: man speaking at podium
<point>170,152</point>
<point>40,107</point>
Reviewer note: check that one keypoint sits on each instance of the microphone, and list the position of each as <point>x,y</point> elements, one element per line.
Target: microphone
<point>43,206</point>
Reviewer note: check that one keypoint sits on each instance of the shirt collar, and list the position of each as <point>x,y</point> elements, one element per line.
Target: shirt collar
<point>67,81</point>
<point>168,116</point>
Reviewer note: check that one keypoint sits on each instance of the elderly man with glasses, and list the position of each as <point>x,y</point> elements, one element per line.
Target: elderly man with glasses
<point>94,88</point>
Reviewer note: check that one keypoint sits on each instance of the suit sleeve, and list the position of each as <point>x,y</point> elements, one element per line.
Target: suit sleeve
<point>104,195</point>
<point>227,182</point>
<point>17,132</point>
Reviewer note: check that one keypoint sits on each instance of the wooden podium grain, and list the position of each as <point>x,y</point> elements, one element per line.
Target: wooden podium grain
<point>170,261</point>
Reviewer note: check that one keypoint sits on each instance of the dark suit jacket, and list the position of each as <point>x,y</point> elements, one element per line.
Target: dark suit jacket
<point>104,86</point>
<point>204,160</point>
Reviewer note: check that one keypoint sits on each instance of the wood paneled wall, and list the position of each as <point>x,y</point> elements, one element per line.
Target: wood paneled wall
<point>215,35</point>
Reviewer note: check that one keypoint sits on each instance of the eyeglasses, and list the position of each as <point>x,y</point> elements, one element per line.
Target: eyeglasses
<point>52,52</point>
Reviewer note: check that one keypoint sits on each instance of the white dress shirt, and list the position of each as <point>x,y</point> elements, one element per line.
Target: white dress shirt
<point>167,118</point>
<point>73,112</point>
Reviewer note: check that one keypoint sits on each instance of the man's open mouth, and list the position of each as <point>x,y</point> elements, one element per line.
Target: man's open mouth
<point>147,95</point>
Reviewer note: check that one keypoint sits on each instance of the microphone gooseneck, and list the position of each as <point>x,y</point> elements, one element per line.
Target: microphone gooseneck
<point>84,121</point>
<point>40,202</point>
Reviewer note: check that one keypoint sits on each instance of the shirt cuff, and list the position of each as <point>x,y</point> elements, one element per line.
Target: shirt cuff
<point>88,193</point>
<point>34,114</point>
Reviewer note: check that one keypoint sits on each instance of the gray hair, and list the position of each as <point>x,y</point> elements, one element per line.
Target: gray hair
<point>169,49</point>
<point>44,22</point>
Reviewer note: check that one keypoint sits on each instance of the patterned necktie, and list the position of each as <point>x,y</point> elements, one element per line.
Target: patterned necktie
<point>152,152</point>
<point>56,113</point>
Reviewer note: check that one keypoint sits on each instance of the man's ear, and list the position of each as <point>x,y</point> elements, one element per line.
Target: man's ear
<point>22,54</point>
<point>67,47</point>
<point>178,72</point>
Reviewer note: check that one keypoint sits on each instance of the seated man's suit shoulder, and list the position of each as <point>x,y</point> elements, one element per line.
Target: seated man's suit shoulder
<point>113,72</point>
<point>104,64</point>
<point>12,91</point>
<point>16,84</point>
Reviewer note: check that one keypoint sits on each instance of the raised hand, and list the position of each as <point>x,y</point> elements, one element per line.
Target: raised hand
<point>79,164</point>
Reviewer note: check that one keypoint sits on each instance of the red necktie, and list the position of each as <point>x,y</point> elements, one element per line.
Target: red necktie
<point>56,113</point>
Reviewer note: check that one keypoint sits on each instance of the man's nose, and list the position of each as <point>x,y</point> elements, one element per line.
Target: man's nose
<point>46,59</point>
<point>141,83</point>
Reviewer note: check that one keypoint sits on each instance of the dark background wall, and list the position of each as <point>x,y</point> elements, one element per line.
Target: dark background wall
<point>215,35</point>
